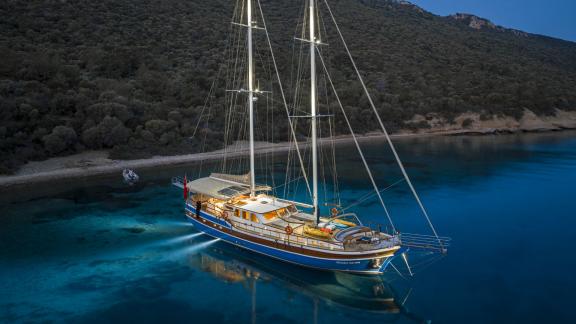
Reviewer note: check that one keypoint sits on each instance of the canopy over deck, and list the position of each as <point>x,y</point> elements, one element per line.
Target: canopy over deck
<point>263,205</point>
<point>222,186</point>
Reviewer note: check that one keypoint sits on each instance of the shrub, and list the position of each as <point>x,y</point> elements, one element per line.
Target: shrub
<point>61,139</point>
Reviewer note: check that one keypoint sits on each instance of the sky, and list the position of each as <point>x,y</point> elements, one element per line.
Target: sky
<point>556,18</point>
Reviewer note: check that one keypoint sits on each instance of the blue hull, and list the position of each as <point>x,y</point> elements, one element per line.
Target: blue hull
<point>357,266</point>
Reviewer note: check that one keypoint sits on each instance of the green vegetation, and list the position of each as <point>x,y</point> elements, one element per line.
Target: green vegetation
<point>132,75</point>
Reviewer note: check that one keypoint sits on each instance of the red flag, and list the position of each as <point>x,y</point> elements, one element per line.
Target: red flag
<point>185,188</point>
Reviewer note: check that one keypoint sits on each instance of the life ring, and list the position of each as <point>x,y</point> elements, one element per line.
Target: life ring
<point>334,211</point>
<point>289,230</point>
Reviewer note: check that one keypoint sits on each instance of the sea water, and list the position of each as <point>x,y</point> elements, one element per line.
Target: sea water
<point>96,250</point>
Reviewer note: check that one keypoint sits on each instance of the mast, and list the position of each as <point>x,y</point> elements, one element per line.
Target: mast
<point>251,96</point>
<point>311,14</point>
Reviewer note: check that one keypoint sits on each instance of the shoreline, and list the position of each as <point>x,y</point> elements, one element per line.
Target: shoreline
<point>80,165</point>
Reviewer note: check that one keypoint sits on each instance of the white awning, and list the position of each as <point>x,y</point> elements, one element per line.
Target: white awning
<point>263,205</point>
<point>223,189</point>
<point>216,188</point>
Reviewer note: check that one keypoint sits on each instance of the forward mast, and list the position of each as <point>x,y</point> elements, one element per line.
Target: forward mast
<point>251,96</point>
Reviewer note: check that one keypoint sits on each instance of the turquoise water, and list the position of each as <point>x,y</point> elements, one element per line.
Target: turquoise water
<point>97,251</point>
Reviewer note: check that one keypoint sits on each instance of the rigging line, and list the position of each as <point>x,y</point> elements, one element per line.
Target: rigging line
<point>287,183</point>
<point>370,194</point>
<point>271,139</point>
<point>429,258</point>
<point>288,167</point>
<point>207,103</point>
<point>284,98</point>
<point>323,172</point>
<point>392,148</point>
<point>324,166</point>
<point>332,166</point>
<point>297,80</point>
<point>428,264</point>
<point>233,83</point>
<point>398,271</point>
<point>300,70</point>
<point>208,99</point>
<point>203,149</point>
<point>357,145</point>
<point>331,120</point>
<point>309,152</point>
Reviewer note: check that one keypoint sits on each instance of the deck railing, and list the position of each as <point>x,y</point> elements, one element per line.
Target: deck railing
<point>425,242</point>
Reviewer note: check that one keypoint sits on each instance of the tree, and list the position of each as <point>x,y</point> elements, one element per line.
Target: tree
<point>98,111</point>
<point>61,139</point>
<point>159,127</point>
<point>109,133</point>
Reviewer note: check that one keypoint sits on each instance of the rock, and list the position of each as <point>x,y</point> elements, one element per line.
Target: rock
<point>471,123</point>
<point>479,23</point>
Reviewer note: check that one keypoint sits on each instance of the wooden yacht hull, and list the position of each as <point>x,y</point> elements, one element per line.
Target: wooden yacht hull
<point>372,262</point>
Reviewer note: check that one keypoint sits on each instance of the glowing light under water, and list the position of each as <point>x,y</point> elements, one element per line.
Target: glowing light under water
<point>200,246</point>
<point>180,239</point>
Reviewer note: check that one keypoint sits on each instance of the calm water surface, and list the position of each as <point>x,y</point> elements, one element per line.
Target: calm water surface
<point>97,251</point>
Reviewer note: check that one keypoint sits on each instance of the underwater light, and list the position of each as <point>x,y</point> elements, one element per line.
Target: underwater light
<point>200,246</point>
<point>174,223</point>
<point>188,249</point>
<point>171,242</point>
<point>181,239</point>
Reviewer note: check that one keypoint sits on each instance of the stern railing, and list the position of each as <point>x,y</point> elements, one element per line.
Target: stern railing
<point>425,242</point>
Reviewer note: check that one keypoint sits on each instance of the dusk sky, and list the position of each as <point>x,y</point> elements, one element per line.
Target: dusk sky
<point>556,18</point>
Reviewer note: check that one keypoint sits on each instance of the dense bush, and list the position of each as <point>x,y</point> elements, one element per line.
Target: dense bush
<point>61,139</point>
<point>132,76</point>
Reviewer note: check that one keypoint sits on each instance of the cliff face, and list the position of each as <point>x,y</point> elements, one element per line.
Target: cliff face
<point>132,76</point>
<point>473,21</point>
<point>478,23</point>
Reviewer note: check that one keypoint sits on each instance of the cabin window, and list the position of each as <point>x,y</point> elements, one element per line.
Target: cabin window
<point>254,218</point>
<point>282,212</point>
<point>270,215</point>
<point>236,213</point>
<point>245,215</point>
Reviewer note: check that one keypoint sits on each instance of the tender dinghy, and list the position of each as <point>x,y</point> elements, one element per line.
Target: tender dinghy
<point>130,177</point>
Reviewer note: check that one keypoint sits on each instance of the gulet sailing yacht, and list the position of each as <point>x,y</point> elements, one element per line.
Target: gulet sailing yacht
<point>237,210</point>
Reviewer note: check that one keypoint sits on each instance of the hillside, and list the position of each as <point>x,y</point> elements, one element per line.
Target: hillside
<point>132,75</point>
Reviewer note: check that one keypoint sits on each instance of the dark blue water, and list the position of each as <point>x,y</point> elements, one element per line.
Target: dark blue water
<point>97,251</point>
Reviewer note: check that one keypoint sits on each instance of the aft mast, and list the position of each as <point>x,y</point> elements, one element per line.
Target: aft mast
<point>311,14</point>
<point>251,96</point>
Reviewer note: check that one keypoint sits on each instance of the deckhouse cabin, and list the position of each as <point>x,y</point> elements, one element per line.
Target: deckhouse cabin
<point>229,196</point>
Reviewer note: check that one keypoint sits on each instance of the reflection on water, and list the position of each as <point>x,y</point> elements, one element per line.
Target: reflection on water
<point>358,293</point>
